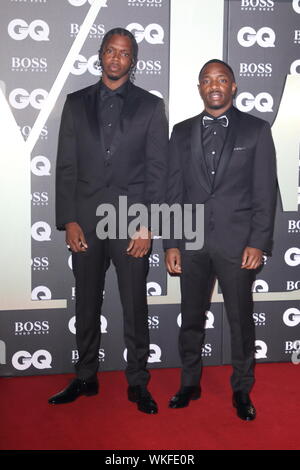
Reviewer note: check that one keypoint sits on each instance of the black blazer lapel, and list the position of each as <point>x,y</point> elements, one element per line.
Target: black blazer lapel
<point>227,148</point>
<point>130,107</point>
<point>92,111</point>
<point>198,153</point>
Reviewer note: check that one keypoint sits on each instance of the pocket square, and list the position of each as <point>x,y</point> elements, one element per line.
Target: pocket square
<point>237,149</point>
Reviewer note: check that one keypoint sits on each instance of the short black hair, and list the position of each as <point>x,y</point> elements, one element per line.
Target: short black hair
<point>121,32</point>
<point>218,61</point>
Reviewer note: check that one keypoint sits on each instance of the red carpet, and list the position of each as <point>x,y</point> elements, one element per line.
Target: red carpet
<point>108,421</point>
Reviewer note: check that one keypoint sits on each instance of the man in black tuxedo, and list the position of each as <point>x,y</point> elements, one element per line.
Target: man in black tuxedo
<point>113,142</point>
<point>224,159</point>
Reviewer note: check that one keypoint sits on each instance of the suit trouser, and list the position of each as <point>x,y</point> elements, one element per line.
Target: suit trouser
<point>199,270</point>
<point>89,269</point>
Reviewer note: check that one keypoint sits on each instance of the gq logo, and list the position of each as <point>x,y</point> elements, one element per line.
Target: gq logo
<point>261,350</point>
<point>295,67</point>
<point>153,33</point>
<point>209,323</point>
<point>41,231</point>
<point>19,29</point>
<point>296,6</point>
<point>292,257</point>
<point>82,65</point>
<point>79,3</point>
<point>153,288</point>
<point>40,166</point>
<point>103,324</point>
<point>264,37</point>
<point>154,354</point>
<point>260,286</point>
<point>41,359</point>
<point>41,293</point>
<point>291,317</point>
<point>263,102</point>
<point>20,98</point>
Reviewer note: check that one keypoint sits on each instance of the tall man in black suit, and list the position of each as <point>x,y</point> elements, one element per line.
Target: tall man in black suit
<point>224,159</point>
<point>113,141</point>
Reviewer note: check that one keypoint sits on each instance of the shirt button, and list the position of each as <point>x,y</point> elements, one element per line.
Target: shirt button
<point>213,172</point>
<point>213,152</point>
<point>215,133</point>
<point>108,151</point>
<point>109,124</point>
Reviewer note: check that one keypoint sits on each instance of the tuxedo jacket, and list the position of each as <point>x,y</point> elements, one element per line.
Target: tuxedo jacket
<point>136,166</point>
<point>240,204</point>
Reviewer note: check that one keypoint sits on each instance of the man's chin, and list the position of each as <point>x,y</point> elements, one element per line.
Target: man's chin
<point>114,77</point>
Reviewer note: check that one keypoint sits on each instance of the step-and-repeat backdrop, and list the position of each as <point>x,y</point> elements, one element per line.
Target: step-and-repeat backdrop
<point>50,50</point>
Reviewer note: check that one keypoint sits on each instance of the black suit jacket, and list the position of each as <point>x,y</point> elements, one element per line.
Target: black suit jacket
<point>137,165</point>
<point>241,202</point>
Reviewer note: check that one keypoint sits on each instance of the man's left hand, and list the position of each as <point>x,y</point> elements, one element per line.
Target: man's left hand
<point>252,258</point>
<point>140,243</point>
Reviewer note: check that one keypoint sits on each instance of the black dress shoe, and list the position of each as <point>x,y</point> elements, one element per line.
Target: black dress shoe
<point>183,397</point>
<point>73,391</point>
<point>140,395</point>
<point>244,406</point>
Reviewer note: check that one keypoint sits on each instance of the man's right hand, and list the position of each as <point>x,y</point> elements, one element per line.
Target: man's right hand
<point>75,237</point>
<point>173,261</point>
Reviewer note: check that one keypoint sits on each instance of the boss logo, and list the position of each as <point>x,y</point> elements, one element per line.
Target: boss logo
<point>154,260</point>
<point>294,226</point>
<point>263,102</point>
<point>148,3</point>
<point>297,36</point>
<point>153,322</point>
<point>292,285</point>
<point>19,29</point>
<point>97,31</point>
<point>261,349</point>
<point>41,231</point>
<point>41,359</point>
<point>150,67</point>
<point>153,33</point>
<point>75,355</point>
<point>40,198</point>
<point>37,328</point>
<point>259,70</point>
<point>40,263</point>
<point>292,346</point>
<point>82,65</point>
<point>296,6</point>
<point>25,131</point>
<point>264,37</point>
<point>40,166</point>
<point>295,67</point>
<point>292,257</point>
<point>20,98</point>
<point>25,64</point>
<point>206,350</point>
<point>259,319</point>
<point>262,5</point>
<point>291,317</point>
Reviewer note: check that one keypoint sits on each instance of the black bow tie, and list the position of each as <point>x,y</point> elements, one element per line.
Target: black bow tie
<point>209,121</point>
<point>107,93</point>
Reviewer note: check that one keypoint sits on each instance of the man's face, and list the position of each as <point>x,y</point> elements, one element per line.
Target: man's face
<point>117,59</point>
<point>216,88</point>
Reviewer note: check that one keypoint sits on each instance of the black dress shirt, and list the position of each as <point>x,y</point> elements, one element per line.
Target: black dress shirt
<point>111,105</point>
<point>213,140</point>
